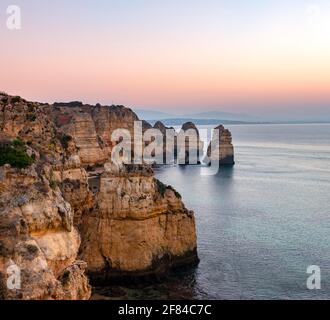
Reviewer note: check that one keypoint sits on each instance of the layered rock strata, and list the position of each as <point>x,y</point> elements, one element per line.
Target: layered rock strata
<point>38,241</point>
<point>72,210</point>
<point>189,146</point>
<point>138,226</point>
<point>223,146</point>
<point>169,142</point>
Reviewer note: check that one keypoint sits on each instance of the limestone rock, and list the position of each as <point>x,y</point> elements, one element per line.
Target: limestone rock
<point>37,236</point>
<point>121,220</point>
<point>74,283</point>
<point>222,142</point>
<point>138,227</point>
<point>91,128</point>
<point>190,147</point>
<point>169,142</point>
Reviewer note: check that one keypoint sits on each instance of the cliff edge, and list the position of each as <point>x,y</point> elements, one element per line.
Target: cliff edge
<point>66,211</point>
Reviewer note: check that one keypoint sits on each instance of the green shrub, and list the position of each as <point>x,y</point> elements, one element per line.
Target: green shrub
<point>161,187</point>
<point>177,194</point>
<point>18,143</point>
<point>53,184</point>
<point>16,99</point>
<point>15,155</point>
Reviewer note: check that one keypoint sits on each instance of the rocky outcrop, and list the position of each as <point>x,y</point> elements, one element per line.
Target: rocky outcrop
<point>139,227</point>
<point>146,126</point>
<point>161,127</point>
<point>190,145</point>
<point>37,238</point>
<point>78,124</point>
<point>169,142</point>
<point>222,143</point>
<point>91,128</point>
<point>73,182</point>
<point>73,210</point>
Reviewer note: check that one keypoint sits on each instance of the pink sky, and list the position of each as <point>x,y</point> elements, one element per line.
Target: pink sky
<point>169,57</point>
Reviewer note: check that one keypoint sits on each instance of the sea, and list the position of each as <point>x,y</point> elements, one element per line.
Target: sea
<point>263,225</point>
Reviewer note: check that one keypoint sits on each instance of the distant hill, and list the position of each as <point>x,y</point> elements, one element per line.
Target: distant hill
<point>219,115</point>
<point>152,115</point>
<point>200,122</point>
<point>207,116</point>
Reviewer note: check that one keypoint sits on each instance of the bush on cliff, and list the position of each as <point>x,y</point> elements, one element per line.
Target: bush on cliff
<point>16,99</point>
<point>14,153</point>
<point>161,187</point>
<point>177,194</point>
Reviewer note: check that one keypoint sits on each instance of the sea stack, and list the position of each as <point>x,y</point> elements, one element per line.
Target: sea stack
<point>169,142</point>
<point>222,142</point>
<point>191,146</point>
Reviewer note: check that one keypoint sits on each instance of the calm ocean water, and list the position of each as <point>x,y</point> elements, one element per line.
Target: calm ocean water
<point>261,223</point>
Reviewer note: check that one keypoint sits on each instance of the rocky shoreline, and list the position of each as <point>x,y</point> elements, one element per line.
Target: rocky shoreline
<point>158,270</point>
<point>69,216</point>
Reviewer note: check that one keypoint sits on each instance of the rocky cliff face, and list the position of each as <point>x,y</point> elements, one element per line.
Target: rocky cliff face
<point>191,146</point>
<point>37,235</point>
<point>72,210</point>
<point>222,142</point>
<point>91,128</point>
<point>138,226</point>
<point>169,142</point>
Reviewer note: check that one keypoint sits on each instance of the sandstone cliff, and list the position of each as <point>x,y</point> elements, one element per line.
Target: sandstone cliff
<point>222,142</point>
<point>72,210</point>
<point>189,149</point>
<point>138,226</point>
<point>38,236</point>
<point>169,142</point>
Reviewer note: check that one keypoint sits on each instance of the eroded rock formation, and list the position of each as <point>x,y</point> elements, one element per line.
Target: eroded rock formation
<point>37,236</point>
<point>189,146</point>
<point>169,142</point>
<point>72,211</point>
<point>222,144</point>
<point>138,226</point>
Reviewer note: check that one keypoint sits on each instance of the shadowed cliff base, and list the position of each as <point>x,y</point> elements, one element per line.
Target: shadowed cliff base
<point>159,270</point>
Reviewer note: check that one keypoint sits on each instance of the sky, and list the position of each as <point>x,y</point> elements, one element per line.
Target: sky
<point>267,57</point>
